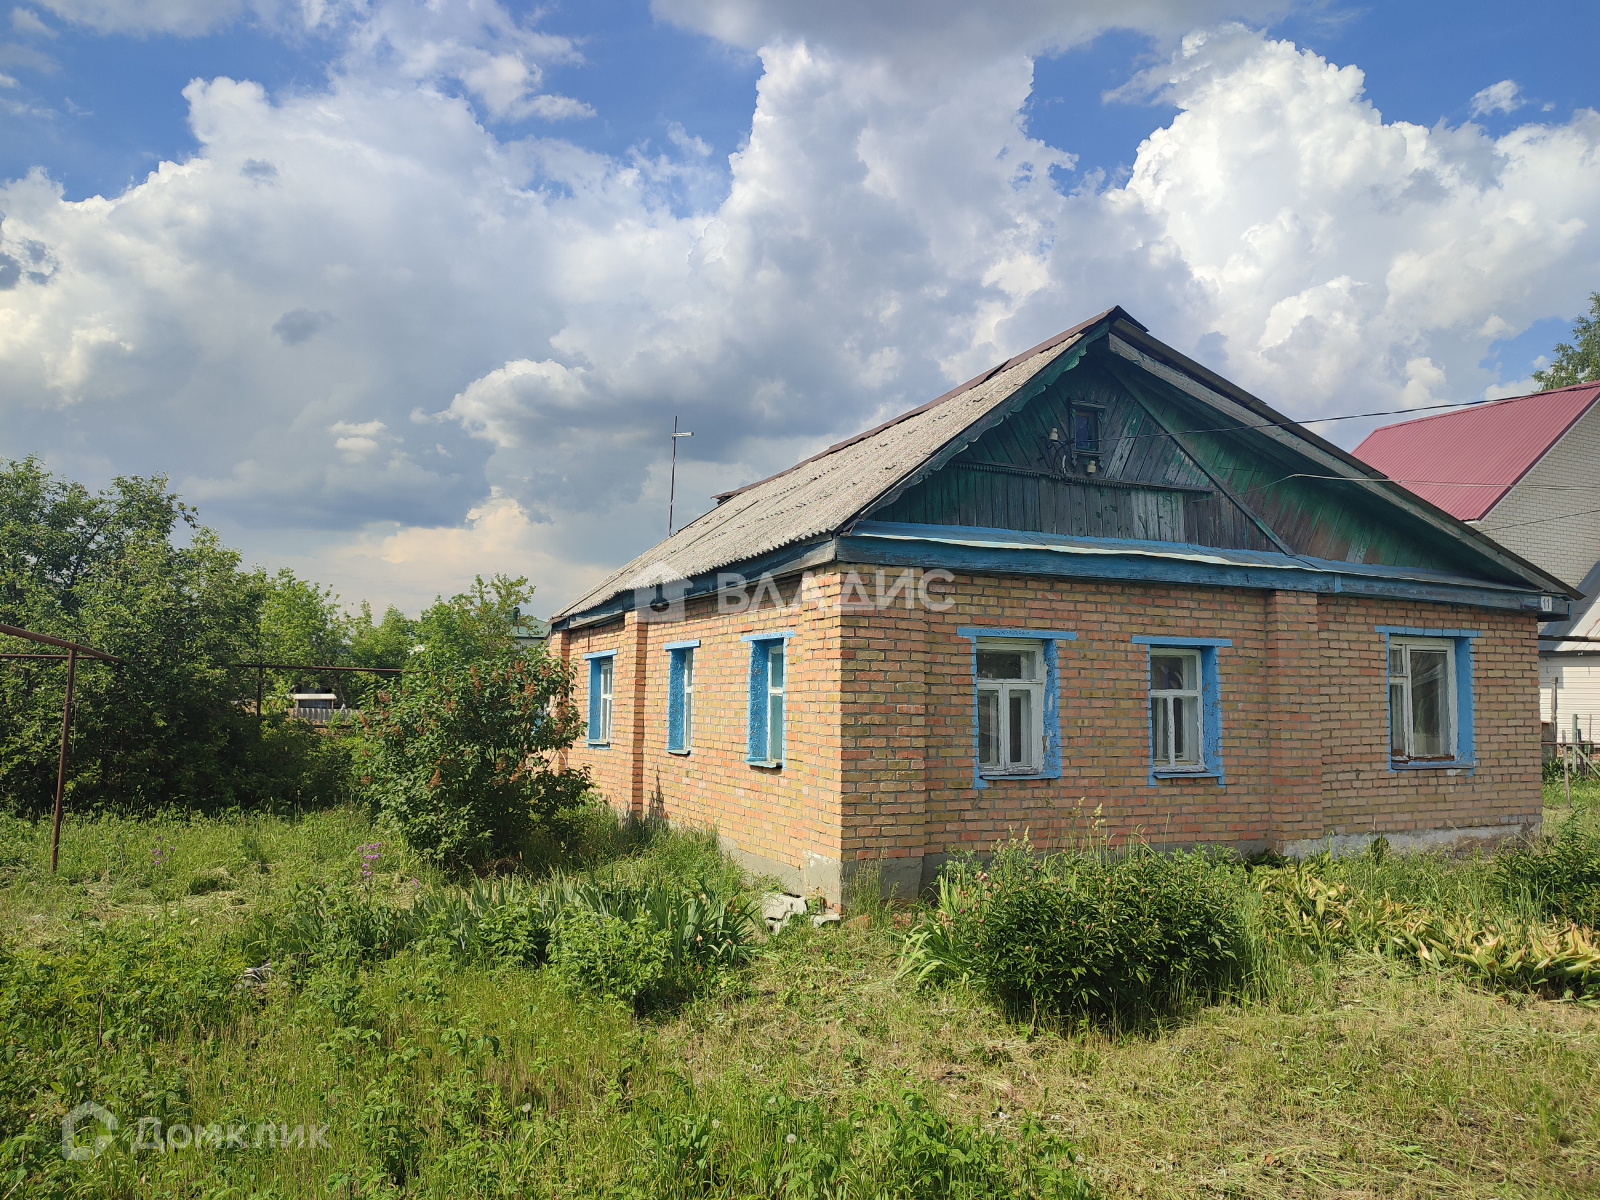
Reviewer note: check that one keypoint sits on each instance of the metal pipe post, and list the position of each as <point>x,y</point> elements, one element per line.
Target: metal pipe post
<point>61,767</point>
<point>1566,773</point>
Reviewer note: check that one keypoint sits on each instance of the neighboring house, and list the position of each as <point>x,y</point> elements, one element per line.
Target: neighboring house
<point>1097,591</point>
<point>317,707</point>
<point>1526,471</point>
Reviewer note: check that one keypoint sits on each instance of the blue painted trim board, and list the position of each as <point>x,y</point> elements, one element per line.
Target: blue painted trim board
<point>983,631</point>
<point>1154,640</point>
<point>1051,767</point>
<point>594,661</point>
<point>599,654</point>
<point>773,635</point>
<point>1023,554</point>
<point>1404,631</point>
<point>694,645</point>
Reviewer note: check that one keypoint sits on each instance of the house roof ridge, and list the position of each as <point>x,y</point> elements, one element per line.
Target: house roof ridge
<point>795,509</point>
<point>1475,406</point>
<point>976,381</point>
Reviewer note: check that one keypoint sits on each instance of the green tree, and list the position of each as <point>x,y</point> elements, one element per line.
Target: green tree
<point>301,622</point>
<point>167,729</point>
<point>1578,361</point>
<point>385,643</point>
<point>463,750</point>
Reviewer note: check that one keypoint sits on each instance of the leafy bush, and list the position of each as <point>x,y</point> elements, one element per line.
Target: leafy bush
<point>604,937</point>
<point>463,749</point>
<point>609,956</point>
<point>503,920</point>
<point>1559,873</point>
<point>1082,934</point>
<point>331,924</point>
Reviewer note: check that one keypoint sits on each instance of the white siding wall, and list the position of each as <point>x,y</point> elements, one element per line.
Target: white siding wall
<point>1572,684</point>
<point>1538,523</point>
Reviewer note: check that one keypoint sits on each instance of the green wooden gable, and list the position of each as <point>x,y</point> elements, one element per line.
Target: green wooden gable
<point>1157,464</point>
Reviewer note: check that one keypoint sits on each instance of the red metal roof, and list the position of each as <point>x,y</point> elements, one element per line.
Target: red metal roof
<point>1465,462</point>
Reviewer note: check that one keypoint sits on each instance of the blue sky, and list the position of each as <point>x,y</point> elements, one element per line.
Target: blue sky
<point>423,295</point>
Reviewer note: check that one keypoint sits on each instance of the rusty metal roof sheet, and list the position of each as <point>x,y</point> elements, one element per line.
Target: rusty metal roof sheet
<point>1465,462</point>
<point>819,496</point>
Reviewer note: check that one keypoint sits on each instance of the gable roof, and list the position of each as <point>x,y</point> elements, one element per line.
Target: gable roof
<point>823,496</point>
<point>819,495</point>
<point>1465,462</point>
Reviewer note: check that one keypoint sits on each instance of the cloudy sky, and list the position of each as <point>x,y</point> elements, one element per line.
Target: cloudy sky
<point>401,291</point>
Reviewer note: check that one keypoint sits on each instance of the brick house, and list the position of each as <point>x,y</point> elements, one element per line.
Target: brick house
<point>1096,586</point>
<point>1522,470</point>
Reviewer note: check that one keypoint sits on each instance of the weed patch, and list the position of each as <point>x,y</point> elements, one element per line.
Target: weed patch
<point>1121,937</point>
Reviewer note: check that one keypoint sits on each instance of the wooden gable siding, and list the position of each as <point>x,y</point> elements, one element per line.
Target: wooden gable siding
<point>1171,469</point>
<point>1146,488</point>
<point>1317,517</point>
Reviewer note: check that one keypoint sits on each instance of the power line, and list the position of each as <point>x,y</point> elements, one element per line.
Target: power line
<point>1391,412</point>
<point>1541,521</point>
<point>1543,487</point>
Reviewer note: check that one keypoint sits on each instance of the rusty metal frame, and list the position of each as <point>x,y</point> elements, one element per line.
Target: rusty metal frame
<point>73,651</point>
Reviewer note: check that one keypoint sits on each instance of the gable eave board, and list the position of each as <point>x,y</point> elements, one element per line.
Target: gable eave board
<point>1006,552</point>
<point>1161,361</point>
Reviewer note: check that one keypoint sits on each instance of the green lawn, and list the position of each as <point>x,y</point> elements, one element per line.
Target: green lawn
<point>1354,1076</point>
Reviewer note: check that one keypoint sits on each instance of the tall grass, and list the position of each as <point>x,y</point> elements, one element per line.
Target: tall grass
<point>443,1068</point>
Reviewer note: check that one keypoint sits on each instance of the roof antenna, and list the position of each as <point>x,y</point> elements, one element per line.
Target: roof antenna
<point>672,490</point>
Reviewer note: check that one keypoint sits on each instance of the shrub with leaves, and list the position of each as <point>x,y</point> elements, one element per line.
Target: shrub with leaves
<point>463,749</point>
<point>331,924</point>
<point>1559,874</point>
<point>1100,935</point>
<point>603,937</point>
<point>610,956</point>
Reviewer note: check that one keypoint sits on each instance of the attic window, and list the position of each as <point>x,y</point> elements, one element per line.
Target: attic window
<point>1086,430</point>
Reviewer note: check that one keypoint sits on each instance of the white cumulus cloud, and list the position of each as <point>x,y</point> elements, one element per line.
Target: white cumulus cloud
<point>359,311</point>
<point>1504,96</point>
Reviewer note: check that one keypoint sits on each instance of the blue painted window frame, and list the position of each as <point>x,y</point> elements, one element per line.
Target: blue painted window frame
<point>1466,737</point>
<point>1210,706</point>
<point>680,733</point>
<point>594,660</point>
<point>1050,767</point>
<point>757,743</point>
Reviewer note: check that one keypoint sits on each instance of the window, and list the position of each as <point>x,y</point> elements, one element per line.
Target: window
<point>1010,707</point>
<point>1185,707</point>
<point>601,677</point>
<point>1086,430</point>
<point>1016,702</point>
<point>769,672</point>
<point>680,697</point>
<point>775,703</point>
<point>1422,700</point>
<point>1175,720</point>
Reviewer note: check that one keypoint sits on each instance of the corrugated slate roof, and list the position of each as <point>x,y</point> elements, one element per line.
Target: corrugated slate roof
<point>1465,462</point>
<point>820,495</point>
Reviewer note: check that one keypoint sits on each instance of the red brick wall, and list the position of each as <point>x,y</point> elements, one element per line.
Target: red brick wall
<point>1361,796</point>
<point>777,818</point>
<point>880,726</point>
